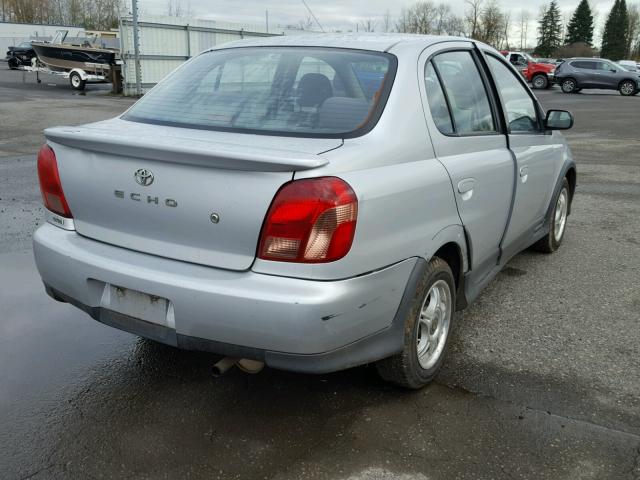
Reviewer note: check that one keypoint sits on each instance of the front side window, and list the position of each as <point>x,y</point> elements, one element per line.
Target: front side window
<point>465,92</point>
<point>519,107</point>
<point>606,66</point>
<point>275,90</point>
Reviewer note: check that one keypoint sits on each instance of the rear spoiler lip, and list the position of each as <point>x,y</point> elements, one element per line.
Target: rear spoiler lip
<point>192,152</point>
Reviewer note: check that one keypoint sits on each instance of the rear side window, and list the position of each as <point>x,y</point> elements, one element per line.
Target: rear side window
<point>586,65</point>
<point>273,90</point>
<point>437,101</point>
<point>454,83</point>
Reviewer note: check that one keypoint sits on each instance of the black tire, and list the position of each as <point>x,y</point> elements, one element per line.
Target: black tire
<point>404,369</point>
<point>13,63</point>
<point>568,85</point>
<point>540,81</point>
<point>551,242</point>
<point>76,81</point>
<point>628,88</point>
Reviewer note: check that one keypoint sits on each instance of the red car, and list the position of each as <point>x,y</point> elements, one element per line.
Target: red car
<point>539,74</point>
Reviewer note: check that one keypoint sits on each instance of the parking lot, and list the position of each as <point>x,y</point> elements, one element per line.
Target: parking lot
<point>542,380</point>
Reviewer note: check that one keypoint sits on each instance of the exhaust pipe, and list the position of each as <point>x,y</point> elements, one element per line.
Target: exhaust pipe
<point>244,364</point>
<point>222,366</point>
<point>250,366</point>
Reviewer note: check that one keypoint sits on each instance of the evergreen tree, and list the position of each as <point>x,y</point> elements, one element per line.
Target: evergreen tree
<point>580,28</point>
<point>614,37</point>
<point>549,30</point>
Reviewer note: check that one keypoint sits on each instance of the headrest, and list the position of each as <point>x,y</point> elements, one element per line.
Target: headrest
<point>313,89</point>
<point>342,114</point>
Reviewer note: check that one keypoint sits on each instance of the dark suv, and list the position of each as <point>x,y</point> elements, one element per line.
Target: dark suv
<point>574,74</point>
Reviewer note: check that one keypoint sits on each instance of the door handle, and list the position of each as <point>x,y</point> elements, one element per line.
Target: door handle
<point>465,188</point>
<point>524,174</point>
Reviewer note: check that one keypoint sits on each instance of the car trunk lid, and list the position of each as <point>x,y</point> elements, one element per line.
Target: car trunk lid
<point>196,196</point>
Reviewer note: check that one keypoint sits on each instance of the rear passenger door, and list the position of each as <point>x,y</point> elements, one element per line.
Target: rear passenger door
<point>462,119</point>
<point>538,155</point>
<point>587,73</point>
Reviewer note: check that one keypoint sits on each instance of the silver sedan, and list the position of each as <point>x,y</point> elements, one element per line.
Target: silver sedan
<point>311,203</point>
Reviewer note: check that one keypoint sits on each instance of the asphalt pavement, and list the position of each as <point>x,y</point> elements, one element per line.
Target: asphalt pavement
<point>542,381</point>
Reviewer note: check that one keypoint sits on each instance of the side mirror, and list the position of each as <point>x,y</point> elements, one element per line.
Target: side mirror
<point>558,120</point>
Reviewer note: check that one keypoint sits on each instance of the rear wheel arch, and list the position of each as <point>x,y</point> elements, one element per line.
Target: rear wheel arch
<point>454,256</point>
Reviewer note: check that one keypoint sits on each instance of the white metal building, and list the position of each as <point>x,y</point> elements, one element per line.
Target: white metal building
<point>12,34</point>
<point>166,42</point>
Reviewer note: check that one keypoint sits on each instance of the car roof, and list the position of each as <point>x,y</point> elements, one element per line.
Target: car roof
<point>380,42</point>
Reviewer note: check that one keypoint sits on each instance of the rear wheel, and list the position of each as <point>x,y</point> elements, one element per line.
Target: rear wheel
<point>540,81</point>
<point>569,85</point>
<point>428,326</point>
<point>76,81</point>
<point>557,220</point>
<point>628,88</point>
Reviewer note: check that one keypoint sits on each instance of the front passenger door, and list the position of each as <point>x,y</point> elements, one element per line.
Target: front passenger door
<point>538,157</point>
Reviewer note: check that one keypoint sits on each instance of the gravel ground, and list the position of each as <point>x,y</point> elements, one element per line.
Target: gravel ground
<point>542,381</point>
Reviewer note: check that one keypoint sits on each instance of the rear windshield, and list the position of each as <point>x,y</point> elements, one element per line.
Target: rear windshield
<point>325,92</point>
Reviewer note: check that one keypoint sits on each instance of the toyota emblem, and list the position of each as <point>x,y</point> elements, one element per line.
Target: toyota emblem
<point>144,177</point>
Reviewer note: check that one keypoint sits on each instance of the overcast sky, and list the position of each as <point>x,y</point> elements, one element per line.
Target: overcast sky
<point>345,15</point>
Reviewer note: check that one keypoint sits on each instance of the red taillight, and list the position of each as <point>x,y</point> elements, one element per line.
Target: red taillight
<point>310,221</point>
<point>50,186</point>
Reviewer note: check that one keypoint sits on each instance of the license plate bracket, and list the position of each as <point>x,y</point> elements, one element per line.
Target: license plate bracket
<point>136,304</point>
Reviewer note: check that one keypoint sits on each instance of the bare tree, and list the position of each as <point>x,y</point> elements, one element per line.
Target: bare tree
<point>175,8</point>
<point>472,17</point>
<point>490,25</point>
<point>305,24</point>
<point>429,18</point>
<point>633,31</point>
<point>90,14</point>
<point>456,26</point>
<point>579,49</point>
<point>506,23</point>
<point>386,21</point>
<point>402,24</point>
<point>367,25</point>
<point>442,12</point>
<point>525,17</point>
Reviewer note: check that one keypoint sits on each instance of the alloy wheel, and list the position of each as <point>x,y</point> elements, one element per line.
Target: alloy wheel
<point>568,86</point>
<point>560,215</point>
<point>433,324</point>
<point>627,88</point>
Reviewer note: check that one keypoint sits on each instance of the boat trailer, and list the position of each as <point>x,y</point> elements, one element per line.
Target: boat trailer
<point>77,77</point>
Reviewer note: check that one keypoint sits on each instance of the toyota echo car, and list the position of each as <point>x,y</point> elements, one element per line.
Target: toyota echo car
<point>311,203</point>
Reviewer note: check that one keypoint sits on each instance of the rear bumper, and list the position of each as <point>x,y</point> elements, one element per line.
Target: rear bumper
<point>294,324</point>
